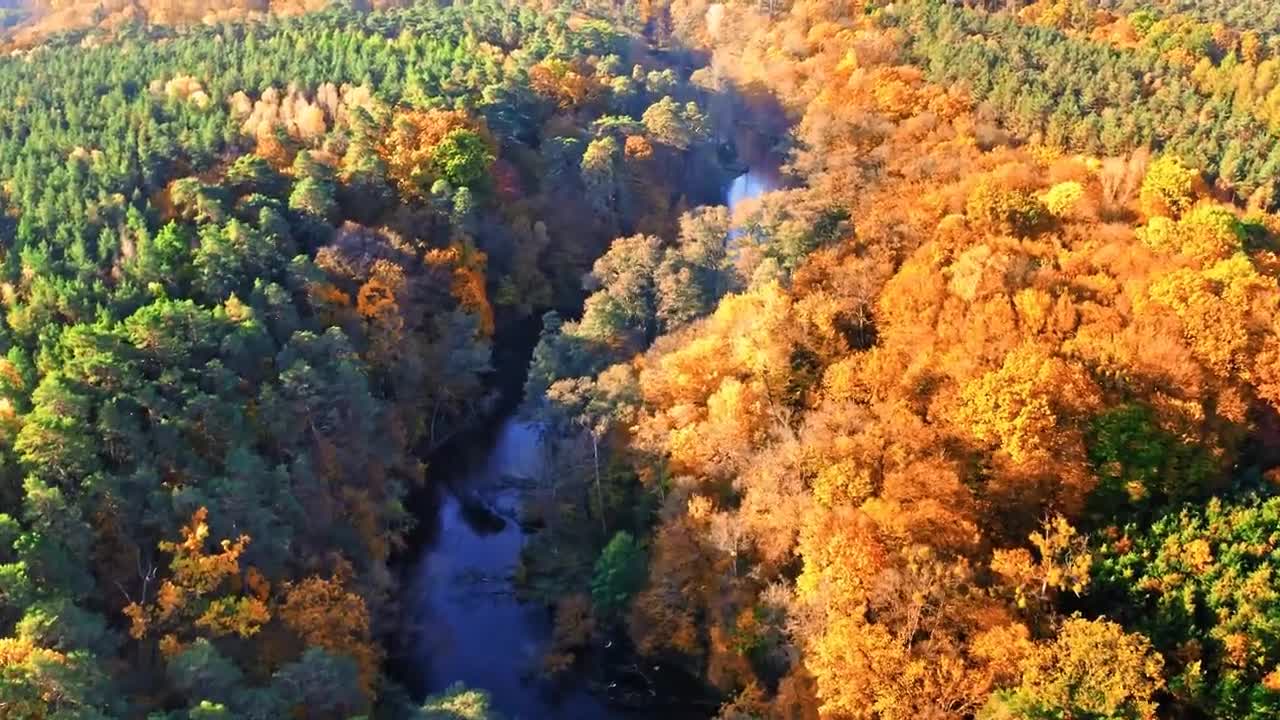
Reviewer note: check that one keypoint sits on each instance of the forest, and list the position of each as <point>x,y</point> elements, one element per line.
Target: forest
<point>975,413</point>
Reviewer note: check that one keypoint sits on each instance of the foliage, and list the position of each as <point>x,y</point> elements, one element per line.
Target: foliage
<point>1199,583</point>
<point>1168,188</point>
<point>619,574</point>
<point>250,272</point>
<point>955,424</point>
<point>1046,84</point>
<point>1092,669</point>
<point>1142,466</point>
<point>916,438</point>
<point>458,703</point>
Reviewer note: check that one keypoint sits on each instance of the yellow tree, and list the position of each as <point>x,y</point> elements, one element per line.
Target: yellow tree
<point>325,614</point>
<point>1169,188</point>
<point>1092,668</point>
<point>204,593</point>
<point>1025,405</point>
<point>1226,311</point>
<point>409,147</point>
<point>1061,562</point>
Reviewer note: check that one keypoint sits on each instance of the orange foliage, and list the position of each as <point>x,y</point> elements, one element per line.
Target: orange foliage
<point>203,590</point>
<point>468,268</point>
<point>564,83</point>
<point>637,147</point>
<point>325,614</point>
<point>409,146</point>
<point>900,416</point>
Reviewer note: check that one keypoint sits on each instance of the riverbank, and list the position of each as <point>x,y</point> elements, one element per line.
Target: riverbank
<point>461,618</point>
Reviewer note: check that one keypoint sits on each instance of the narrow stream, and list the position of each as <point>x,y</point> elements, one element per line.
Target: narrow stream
<point>463,622</point>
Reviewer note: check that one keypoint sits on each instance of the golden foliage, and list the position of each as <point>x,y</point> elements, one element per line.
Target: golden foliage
<point>1093,668</point>
<point>1062,199</point>
<point>408,149</point>
<point>1208,233</point>
<point>324,613</point>
<point>564,82</point>
<point>1169,188</point>
<point>1062,562</point>
<point>202,591</point>
<point>1225,311</point>
<point>1026,404</point>
<point>905,418</point>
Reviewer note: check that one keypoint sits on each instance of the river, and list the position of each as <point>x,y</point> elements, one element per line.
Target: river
<point>462,621</point>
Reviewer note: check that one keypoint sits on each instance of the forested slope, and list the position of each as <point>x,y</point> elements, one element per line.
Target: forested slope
<point>977,417</point>
<point>979,420</point>
<point>251,274</point>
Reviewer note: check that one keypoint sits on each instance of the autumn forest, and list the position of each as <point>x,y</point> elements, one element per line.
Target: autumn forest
<point>968,406</point>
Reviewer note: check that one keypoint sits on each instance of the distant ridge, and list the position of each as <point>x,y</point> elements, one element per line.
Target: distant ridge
<point>24,24</point>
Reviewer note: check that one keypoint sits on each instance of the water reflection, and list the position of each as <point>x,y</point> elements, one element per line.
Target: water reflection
<point>757,181</point>
<point>465,623</point>
<point>463,619</point>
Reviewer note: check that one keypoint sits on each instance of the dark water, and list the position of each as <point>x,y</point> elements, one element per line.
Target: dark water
<point>462,621</point>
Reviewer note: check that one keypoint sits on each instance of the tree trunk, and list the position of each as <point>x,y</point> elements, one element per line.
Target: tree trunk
<point>595,453</point>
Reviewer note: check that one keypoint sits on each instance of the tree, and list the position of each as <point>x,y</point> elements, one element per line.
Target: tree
<point>251,174</point>
<point>1062,562</point>
<point>1142,467</point>
<point>409,149</point>
<point>323,683</point>
<point>673,125</point>
<point>1169,188</point>
<point>365,190</point>
<point>326,615</point>
<point>458,703</point>
<point>564,83</point>
<point>1092,668</point>
<point>619,574</point>
<point>198,596</point>
<point>313,192</point>
<point>1194,581</point>
<point>1002,210</point>
<point>1025,404</point>
<point>462,158</point>
<point>38,683</point>
<point>599,174</point>
<point>1207,233</point>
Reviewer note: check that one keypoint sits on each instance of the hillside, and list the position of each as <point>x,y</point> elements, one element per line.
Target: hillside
<point>247,290</point>
<point>978,419</point>
<point>968,408</point>
<point>27,22</point>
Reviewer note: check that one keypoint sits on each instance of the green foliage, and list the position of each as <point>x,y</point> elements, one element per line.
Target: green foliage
<point>462,158</point>
<point>197,315</point>
<point>250,174</point>
<point>321,681</point>
<point>1201,584</point>
<point>619,574</point>
<point>204,672</point>
<point>1143,469</point>
<point>313,197</point>
<point>167,348</point>
<point>1086,95</point>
